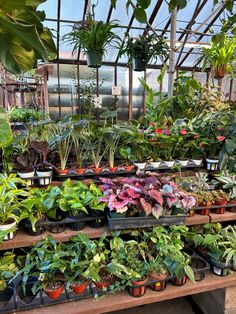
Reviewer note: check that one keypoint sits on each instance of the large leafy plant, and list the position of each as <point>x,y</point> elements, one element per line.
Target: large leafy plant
<point>8,268</point>
<point>24,38</point>
<point>5,129</point>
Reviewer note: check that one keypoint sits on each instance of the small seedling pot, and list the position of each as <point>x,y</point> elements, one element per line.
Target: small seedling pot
<point>206,210</point>
<point>77,225</point>
<point>104,283</point>
<point>79,288</point>
<point>191,213</point>
<point>160,285</point>
<point>80,170</point>
<point>140,165</point>
<point>63,172</point>
<point>212,164</point>
<point>138,291</point>
<point>129,168</point>
<point>176,282</point>
<point>54,293</point>
<point>220,210</point>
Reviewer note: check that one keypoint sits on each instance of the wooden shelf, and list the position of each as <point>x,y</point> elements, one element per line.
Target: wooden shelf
<point>227,216</point>
<point>122,300</point>
<point>22,239</point>
<point>197,220</point>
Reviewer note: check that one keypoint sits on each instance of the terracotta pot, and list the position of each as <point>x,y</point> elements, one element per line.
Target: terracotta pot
<point>113,169</point>
<point>97,170</point>
<point>79,288</point>
<point>220,73</point>
<point>138,291</point>
<point>80,170</point>
<point>206,210</point>
<point>232,209</point>
<point>220,210</point>
<point>54,294</point>
<point>103,284</point>
<point>160,284</point>
<point>129,168</point>
<point>176,282</point>
<point>63,172</point>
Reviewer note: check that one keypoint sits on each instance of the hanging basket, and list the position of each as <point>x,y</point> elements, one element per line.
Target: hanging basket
<point>94,59</point>
<point>139,64</point>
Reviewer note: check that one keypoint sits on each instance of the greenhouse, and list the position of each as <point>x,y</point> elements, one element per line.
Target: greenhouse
<point>118,156</point>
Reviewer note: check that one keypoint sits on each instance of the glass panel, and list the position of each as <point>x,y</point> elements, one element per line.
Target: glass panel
<point>72,10</point>
<point>50,8</point>
<point>201,77</point>
<point>65,51</point>
<point>106,81</point>
<point>123,100</point>
<point>138,95</point>
<point>226,87</point>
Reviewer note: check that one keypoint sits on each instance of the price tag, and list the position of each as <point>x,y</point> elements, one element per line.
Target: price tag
<point>217,270</point>
<point>116,90</point>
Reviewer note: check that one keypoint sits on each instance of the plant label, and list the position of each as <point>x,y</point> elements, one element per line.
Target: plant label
<point>116,90</point>
<point>97,102</point>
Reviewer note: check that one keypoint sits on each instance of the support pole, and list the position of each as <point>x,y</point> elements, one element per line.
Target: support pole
<point>171,70</point>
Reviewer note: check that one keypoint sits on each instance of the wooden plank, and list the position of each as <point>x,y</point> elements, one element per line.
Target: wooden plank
<point>22,239</point>
<point>197,220</point>
<point>122,300</point>
<point>227,216</point>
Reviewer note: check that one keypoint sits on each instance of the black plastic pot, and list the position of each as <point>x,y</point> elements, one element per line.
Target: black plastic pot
<point>94,59</point>
<point>56,226</point>
<point>26,299</point>
<point>77,225</point>
<point>7,303</point>
<point>139,64</point>
<point>98,222</point>
<point>39,226</point>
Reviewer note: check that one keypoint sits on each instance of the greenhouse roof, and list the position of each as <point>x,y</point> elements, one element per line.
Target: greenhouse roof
<point>196,23</point>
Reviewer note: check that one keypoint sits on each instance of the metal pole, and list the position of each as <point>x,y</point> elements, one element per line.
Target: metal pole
<point>171,69</point>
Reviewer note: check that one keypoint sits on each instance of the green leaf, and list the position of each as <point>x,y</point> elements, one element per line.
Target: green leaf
<point>140,15</point>
<point>161,75</point>
<point>189,272</point>
<point>144,3</point>
<point>230,146</point>
<point>5,132</point>
<point>11,5</point>
<point>172,5</point>
<point>97,258</point>
<point>113,3</point>
<point>181,3</point>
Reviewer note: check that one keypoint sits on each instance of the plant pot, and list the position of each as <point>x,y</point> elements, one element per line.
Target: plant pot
<point>56,225</point>
<point>183,162</point>
<point>97,170</point>
<point>27,176</point>
<point>25,295</point>
<point>39,227</point>
<point>77,225</point>
<point>169,163</point>
<point>104,283</point>
<point>140,165</point>
<point>138,291</point>
<point>7,226</point>
<point>220,210</point>
<point>43,174</point>
<point>129,168</point>
<point>94,59</point>
<point>80,170</point>
<point>113,169</point>
<point>98,222</point>
<point>197,162</point>
<point>155,164</point>
<point>6,296</point>
<point>206,210</point>
<point>114,214</point>
<point>139,64</point>
<point>80,287</point>
<point>232,209</point>
<point>220,73</point>
<point>176,282</point>
<point>54,293</point>
<point>160,284</point>
<point>212,164</point>
<point>63,172</point>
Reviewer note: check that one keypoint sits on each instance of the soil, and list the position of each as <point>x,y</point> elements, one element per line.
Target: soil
<point>54,285</point>
<point>159,275</point>
<point>105,276</point>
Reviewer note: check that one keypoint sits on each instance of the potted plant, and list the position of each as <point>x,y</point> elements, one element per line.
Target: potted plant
<point>126,153</point>
<point>228,182</point>
<point>142,49</point>
<point>10,205</point>
<point>220,56</point>
<point>93,39</point>
<point>79,144</point>
<point>220,198</point>
<point>167,145</point>
<point>96,205</point>
<point>8,269</point>
<point>43,167</point>
<point>157,271</point>
<point>204,199</point>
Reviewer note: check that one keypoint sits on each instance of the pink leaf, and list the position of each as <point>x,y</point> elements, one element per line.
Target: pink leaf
<point>146,206</point>
<point>157,211</point>
<point>156,195</point>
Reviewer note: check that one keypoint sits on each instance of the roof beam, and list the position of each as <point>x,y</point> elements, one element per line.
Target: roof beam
<point>153,15</point>
<point>109,14</point>
<point>84,14</point>
<point>221,9</point>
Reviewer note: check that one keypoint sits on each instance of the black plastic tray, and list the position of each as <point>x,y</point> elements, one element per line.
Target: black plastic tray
<point>144,222</point>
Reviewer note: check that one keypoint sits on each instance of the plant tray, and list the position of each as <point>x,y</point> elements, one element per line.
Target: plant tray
<point>198,264</point>
<point>163,167</point>
<point>144,222</point>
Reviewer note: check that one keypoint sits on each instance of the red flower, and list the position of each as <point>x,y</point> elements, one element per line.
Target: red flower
<point>159,131</point>
<point>166,132</point>
<point>220,138</point>
<point>183,131</point>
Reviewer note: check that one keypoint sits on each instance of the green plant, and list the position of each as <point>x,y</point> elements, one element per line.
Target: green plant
<point>9,201</point>
<point>22,27</point>
<point>97,36</point>
<point>228,182</point>
<point>5,129</point>
<point>221,55</point>
<point>145,48</point>
<point>8,269</point>
<point>26,115</point>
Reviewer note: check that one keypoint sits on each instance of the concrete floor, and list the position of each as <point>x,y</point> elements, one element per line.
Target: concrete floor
<point>174,306</point>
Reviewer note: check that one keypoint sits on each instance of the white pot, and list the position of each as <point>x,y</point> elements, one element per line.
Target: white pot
<point>197,162</point>
<point>43,174</point>
<point>183,162</point>
<point>212,164</point>
<point>140,165</point>
<point>6,227</point>
<point>155,164</point>
<point>169,163</point>
<point>27,176</point>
